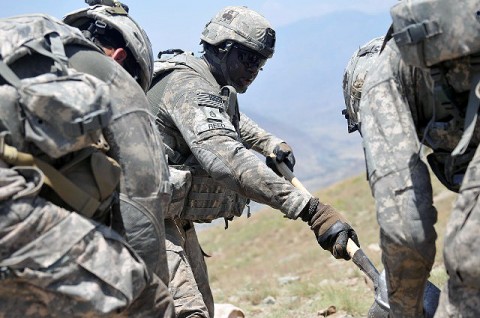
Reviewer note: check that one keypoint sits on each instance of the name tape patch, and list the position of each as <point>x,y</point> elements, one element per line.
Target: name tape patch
<point>213,126</point>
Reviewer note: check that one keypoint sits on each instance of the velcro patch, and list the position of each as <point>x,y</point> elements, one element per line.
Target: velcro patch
<point>212,126</point>
<point>214,115</point>
<point>212,118</point>
<point>209,100</point>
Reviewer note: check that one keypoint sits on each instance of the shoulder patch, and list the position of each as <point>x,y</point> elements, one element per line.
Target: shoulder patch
<point>209,100</point>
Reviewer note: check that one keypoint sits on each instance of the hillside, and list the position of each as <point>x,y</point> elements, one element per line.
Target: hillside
<point>272,267</point>
<point>298,96</point>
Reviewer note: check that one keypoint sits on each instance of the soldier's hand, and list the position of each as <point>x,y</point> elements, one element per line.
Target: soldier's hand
<point>330,228</point>
<point>283,153</point>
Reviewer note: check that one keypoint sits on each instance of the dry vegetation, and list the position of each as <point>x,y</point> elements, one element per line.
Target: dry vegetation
<point>272,267</point>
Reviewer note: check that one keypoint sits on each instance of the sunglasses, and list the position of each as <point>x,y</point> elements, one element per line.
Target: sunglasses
<point>250,58</point>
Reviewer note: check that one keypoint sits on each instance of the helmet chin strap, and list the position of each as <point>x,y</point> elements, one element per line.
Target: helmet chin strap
<point>220,64</point>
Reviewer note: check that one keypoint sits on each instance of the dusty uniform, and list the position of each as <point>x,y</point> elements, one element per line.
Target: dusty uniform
<point>143,194</point>
<point>203,129</point>
<point>461,252</point>
<point>396,114</point>
<point>56,263</point>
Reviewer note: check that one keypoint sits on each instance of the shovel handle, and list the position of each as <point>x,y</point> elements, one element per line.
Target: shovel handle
<point>288,174</point>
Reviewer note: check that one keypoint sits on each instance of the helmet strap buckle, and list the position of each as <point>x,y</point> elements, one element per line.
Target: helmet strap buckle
<point>100,27</point>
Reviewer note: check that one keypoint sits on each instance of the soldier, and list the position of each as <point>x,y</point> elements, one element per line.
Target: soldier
<point>142,196</point>
<point>207,141</point>
<point>420,92</point>
<point>68,127</point>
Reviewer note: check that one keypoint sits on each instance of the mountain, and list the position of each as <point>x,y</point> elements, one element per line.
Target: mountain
<point>299,95</point>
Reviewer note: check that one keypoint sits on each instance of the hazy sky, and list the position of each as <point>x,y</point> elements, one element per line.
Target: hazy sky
<point>299,95</point>
<point>178,24</point>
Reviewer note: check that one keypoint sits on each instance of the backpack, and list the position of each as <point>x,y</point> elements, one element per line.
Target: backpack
<point>428,32</point>
<point>55,114</point>
<point>196,196</point>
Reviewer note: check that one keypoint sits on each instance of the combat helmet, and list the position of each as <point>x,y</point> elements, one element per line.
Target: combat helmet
<point>354,77</point>
<point>103,15</point>
<point>242,25</point>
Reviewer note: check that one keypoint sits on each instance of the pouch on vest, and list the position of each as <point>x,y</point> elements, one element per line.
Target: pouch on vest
<point>206,199</point>
<point>180,182</point>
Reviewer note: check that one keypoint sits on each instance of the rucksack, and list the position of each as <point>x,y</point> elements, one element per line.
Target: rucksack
<point>64,110</point>
<point>428,32</point>
<point>50,115</point>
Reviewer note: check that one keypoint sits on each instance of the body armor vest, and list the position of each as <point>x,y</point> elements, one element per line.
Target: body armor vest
<point>196,196</point>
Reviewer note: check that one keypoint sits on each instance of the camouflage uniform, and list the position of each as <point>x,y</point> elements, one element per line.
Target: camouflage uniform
<point>207,140</point>
<point>396,112</point>
<point>145,190</point>
<point>57,263</point>
<point>222,152</point>
<point>460,296</point>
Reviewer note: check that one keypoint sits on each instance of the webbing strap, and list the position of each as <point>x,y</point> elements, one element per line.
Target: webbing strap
<point>417,32</point>
<point>9,76</point>
<point>206,196</point>
<point>74,196</point>
<point>199,212</point>
<point>57,52</point>
<point>193,63</point>
<point>471,115</point>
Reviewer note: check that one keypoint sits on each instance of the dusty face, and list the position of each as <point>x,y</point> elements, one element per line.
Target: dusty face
<point>243,66</point>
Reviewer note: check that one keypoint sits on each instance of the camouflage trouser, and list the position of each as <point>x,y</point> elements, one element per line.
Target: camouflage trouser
<point>407,238</point>
<point>189,284</point>
<point>54,263</point>
<point>461,295</point>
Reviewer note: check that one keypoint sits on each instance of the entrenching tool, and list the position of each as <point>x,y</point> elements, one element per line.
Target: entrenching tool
<point>380,306</point>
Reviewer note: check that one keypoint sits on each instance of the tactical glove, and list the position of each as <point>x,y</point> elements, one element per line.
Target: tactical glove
<point>330,228</point>
<point>283,153</point>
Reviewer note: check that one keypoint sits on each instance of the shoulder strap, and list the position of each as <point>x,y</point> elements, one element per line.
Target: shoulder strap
<point>74,196</point>
<point>195,64</point>
<point>473,106</point>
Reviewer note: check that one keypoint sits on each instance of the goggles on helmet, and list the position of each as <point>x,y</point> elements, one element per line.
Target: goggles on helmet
<point>250,58</point>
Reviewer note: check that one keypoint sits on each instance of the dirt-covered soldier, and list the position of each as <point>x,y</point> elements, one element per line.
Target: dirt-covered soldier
<point>207,142</point>
<point>423,92</point>
<point>68,129</point>
<point>145,191</point>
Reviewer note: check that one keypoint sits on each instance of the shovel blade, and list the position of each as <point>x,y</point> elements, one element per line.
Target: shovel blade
<point>380,306</point>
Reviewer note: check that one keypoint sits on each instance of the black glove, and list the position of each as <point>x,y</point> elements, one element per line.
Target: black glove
<point>330,228</point>
<point>283,152</point>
